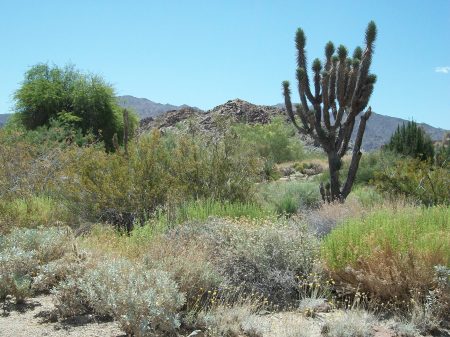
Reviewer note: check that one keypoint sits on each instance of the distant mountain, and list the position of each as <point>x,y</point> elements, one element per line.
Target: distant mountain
<point>379,129</point>
<point>4,118</point>
<point>146,108</point>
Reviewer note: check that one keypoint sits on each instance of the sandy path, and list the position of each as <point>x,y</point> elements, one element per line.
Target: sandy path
<point>32,321</point>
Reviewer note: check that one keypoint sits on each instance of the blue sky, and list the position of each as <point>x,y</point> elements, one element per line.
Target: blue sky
<point>204,53</point>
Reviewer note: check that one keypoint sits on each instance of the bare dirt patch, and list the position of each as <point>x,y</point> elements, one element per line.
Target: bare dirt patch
<point>35,319</point>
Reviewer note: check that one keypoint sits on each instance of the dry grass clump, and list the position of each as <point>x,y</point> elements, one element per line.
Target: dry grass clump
<point>350,323</point>
<point>35,260</point>
<point>329,215</point>
<point>231,321</point>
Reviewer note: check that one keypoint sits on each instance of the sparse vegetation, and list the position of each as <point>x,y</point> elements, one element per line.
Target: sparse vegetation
<point>214,227</point>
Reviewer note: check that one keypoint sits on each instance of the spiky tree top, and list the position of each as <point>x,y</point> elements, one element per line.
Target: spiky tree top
<point>341,90</point>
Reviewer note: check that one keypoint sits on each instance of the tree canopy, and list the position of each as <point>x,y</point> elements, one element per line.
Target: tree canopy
<point>83,101</point>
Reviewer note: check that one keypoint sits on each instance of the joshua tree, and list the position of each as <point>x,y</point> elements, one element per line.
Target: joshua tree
<point>327,112</point>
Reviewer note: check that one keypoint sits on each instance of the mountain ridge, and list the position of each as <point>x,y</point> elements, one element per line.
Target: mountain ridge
<point>378,130</point>
<point>379,127</point>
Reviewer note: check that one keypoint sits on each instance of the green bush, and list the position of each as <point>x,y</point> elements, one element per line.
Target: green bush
<point>86,102</point>
<point>276,142</point>
<point>367,196</point>
<point>159,171</point>
<point>200,210</point>
<point>369,165</point>
<point>417,180</point>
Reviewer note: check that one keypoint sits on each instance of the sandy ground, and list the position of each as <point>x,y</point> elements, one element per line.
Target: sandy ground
<point>33,320</point>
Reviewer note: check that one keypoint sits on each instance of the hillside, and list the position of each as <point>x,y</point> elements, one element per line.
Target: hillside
<point>379,127</point>
<point>145,107</point>
<point>4,118</point>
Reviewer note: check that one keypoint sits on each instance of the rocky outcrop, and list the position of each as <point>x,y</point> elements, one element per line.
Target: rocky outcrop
<point>236,110</point>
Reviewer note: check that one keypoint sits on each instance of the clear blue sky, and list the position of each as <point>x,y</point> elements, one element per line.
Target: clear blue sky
<point>204,53</point>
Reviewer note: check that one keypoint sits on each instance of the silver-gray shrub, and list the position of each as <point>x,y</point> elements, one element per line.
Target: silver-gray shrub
<point>261,258</point>
<point>33,260</point>
<point>144,302</point>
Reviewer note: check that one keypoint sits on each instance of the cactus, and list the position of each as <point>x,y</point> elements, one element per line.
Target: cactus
<point>341,91</point>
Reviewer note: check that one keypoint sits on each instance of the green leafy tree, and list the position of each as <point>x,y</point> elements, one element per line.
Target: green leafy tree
<point>82,101</point>
<point>341,91</point>
<point>411,140</point>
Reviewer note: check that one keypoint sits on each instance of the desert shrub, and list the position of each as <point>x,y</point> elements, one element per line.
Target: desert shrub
<point>199,210</point>
<point>188,263</point>
<point>158,171</point>
<point>308,168</point>
<point>144,302</point>
<point>289,197</point>
<point>33,260</point>
<point>263,258</point>
<point>218,167</point>
<point>417,180</point>
<point>351,323</point>
<point>276,141</point>
<point>390,253</point>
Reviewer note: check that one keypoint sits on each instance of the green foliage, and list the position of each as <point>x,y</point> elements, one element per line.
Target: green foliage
<point>81,101</point>
<point>411,140</point>
<point>158,171</point>
<point>32,211</point>
<point>367,196</point>
<point>201,210</point>
<point>275,142</point>
<point>289,197</point>
<point>442,149</point>
<point>408,229</point>
<point>370,164</point>
<point>417,180</point>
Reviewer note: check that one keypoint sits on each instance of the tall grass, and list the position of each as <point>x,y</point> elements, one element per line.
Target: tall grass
<point>200,210</point>
<point>289,197</point>
<point>390,253</point>
<point>424,231</point>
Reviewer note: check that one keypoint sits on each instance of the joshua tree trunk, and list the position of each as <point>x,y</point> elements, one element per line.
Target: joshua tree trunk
<point>328,113</point>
